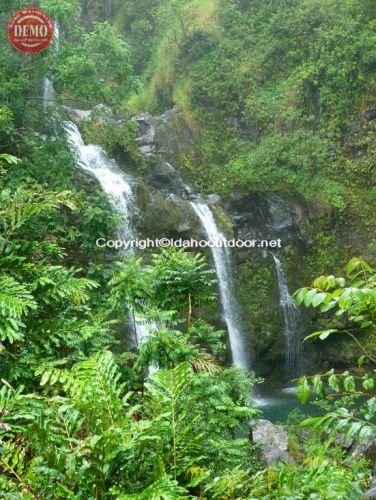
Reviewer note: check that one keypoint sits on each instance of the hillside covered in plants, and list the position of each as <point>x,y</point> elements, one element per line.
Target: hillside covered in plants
<point>132,367</point>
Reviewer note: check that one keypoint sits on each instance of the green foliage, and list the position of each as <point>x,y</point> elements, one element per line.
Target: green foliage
<point>181,280</point>
<point>163,489</point>
<point>208,338</point>
<point>100,72</point>
<point>174,282</point>
<point>316,478</point>
<point>91,438</point>
<point>43,309</point>
<point>15,302</point>
<point>166,349</point>
<point>62,11</point>
<point>100,129</point>
<point>354,303</point>
<point>277,93</point>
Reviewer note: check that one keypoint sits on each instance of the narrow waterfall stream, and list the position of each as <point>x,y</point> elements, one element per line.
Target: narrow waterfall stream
<point>113,181</point>
<point>48,92</point>
<point>116,184</point>
<point>222,262</point>
<point>290,314</point>
<point>48,87</point>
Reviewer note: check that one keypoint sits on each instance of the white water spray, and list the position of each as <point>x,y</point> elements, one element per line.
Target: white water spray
<point>114,182</point>
<point>222,261</point>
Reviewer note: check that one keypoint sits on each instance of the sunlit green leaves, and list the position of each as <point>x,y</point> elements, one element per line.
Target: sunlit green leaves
<point>330,383</point>
<point>303,391</point>
<point>353,299</point>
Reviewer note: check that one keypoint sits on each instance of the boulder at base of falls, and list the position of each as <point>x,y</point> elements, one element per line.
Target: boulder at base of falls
<point>272,441</point>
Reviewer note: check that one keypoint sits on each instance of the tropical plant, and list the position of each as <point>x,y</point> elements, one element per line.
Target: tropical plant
<point>181,281</point>
<point>85,435</point>
<point>43,313</point>
<point>353,300</point>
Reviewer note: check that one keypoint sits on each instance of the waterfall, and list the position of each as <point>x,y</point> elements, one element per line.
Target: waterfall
<point>56,39</point>
<point>290,314</point>
<point>222,262</point>
<point>114,182</point>
<point>48,92</point>
<point>48,87</point>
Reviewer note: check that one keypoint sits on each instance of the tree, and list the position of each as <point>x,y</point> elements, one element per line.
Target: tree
<point>181,281</point>
<point>100,72</point>
<point>43,313</point>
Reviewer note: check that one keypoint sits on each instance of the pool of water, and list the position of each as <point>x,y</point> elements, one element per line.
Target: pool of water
<point>276,404</point>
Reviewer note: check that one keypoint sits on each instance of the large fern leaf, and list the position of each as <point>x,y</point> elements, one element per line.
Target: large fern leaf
<point>15,302</point>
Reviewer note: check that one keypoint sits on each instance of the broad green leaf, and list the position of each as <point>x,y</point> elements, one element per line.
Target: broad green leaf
<point>349,384</point>
<point>333,382</point>
<point>303,391</point>
<point>322,334</point>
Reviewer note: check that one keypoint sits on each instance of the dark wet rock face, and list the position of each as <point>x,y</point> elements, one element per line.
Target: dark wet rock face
<point>160,216</point>
<point>163,197</point>
<point>167,134</point>
<point>163,139</point>
<point>269,216</point>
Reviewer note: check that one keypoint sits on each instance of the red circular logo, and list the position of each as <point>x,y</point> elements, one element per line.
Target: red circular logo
<point>30,30</point>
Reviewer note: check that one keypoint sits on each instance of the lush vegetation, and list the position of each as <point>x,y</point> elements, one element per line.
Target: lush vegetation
<point>279,97</point>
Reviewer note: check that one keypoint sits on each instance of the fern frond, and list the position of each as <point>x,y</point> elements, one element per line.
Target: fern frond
<point>206,363</point>
<point>15,302</point>
<point>165,488</point>
<point>57,284</point>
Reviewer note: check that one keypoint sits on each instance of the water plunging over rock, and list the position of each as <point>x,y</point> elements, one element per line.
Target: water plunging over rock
<point>116,184</point>
<point>291,331</point>
<point>222,261</point>
<point>162,139</point>
<point>48,92</point>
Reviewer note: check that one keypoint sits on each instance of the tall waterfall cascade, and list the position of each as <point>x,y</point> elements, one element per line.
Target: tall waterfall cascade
<point>116,184</point>
<point>222,262</point>
<point>290,314</point>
